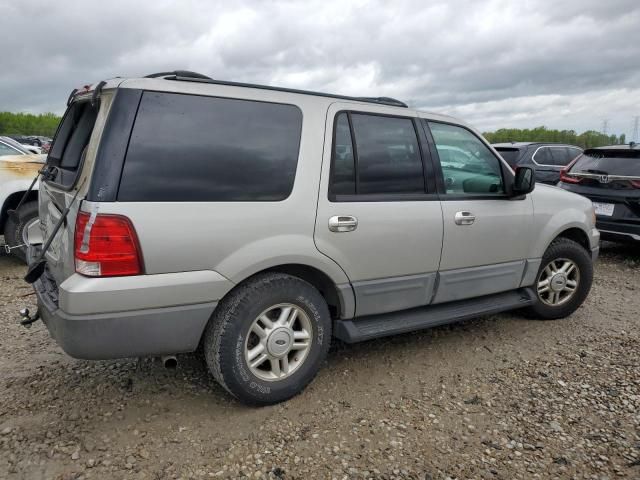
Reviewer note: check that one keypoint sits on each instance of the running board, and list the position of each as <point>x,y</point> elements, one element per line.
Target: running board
<point>393,323</point>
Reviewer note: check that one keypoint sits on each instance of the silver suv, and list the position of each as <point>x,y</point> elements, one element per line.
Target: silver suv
<point>257,223</point>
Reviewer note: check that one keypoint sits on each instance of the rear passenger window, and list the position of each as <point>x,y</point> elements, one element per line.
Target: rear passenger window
<point>543,156</point>
<point>195,148</point>
<point>388,155</point>
<point>384,160</point>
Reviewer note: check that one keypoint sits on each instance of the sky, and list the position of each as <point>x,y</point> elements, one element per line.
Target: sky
<point>570,64</point>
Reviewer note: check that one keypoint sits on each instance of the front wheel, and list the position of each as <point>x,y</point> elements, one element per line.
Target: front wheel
<point>268,338</point>
<point>563,281</point>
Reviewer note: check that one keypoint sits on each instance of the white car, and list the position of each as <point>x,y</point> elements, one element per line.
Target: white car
<point>18,168</point>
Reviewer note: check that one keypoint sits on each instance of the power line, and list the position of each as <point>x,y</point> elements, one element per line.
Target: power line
<point>605,126</point>
<point>636,122</point>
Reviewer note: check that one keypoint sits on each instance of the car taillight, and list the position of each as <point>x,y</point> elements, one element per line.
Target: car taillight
<point>566,177</point>
<point>635,183</point>
<point>106,246</point>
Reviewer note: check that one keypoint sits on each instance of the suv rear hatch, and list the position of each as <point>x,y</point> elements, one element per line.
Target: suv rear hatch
<point>70,162</point>
<point>610,177</point>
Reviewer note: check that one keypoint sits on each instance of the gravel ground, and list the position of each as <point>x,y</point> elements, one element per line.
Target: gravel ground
<point>500,397</point>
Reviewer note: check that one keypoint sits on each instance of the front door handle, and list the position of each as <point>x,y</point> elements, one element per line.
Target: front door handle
<point>343,223</point>
<point>464,218</point>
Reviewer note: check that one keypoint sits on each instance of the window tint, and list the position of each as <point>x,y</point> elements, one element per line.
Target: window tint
<point>560,156</point>
<point>343,178</point>
<point>194,148</point>
<point>388,155</point>
<point>468,166</point>
<point>542,156</point>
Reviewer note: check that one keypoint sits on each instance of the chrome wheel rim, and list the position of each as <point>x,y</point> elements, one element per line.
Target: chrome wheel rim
<point>278,342</point>
<point>558,282</point>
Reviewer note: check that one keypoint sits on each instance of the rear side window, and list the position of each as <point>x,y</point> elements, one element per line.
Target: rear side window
<point>385,159</point>
<point>555,156</point>
<point>388,155</point>
<point>195,148</point>
<point>70,145</point>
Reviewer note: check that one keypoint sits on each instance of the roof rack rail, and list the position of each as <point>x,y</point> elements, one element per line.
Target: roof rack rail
<point>179,74</point>
<point>383,100</point>
<point>186,76</point>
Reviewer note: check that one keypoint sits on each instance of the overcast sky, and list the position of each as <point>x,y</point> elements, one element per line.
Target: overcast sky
<point>563,64</point>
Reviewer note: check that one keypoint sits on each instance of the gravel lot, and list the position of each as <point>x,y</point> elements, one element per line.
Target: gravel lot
<point>500,397</point>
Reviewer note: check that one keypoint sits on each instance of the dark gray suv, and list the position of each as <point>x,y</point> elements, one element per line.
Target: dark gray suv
<point>547,159</point>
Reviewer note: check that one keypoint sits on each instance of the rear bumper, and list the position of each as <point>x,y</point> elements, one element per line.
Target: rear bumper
<point>618,231</point>
<point>126,334</point>
<point>106,318</point>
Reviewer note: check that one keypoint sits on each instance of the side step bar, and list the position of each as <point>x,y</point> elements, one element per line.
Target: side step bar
<point>386,324</point>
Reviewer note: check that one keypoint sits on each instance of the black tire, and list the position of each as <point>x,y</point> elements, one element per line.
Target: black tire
<point>14,232</point>
<point>228,330</point>
<point>564,248</point>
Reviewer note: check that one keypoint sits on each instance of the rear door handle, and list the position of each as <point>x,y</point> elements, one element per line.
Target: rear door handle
<point>464,218</point>
<point>343,223</point>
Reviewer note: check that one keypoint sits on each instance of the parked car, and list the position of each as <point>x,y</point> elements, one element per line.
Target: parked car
<point>546,158</point>
<point>285,233</point>
<point>610,177</point>
<point>33,143</point>
<point>8,146</point>
<point>18,167</point>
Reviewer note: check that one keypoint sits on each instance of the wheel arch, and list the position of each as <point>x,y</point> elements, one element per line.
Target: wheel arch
<point>577,235</point>
<point>12,201</point>
<point>339,297</point>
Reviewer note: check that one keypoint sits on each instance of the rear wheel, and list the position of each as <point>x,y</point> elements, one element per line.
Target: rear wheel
<point>563,281</point>
<point>268,338</point>
<point>15,233</point>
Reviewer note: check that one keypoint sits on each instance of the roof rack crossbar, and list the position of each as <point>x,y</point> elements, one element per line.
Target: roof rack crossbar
<point>185,76</point>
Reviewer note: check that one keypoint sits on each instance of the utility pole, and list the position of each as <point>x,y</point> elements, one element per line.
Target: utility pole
<point>636,121</point>
<point>605,126</point>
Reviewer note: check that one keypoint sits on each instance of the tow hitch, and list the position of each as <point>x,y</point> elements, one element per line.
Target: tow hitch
<point>27,319</point>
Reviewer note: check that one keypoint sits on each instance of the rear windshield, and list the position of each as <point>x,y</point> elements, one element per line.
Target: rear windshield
<point>609,163</point>
<point>70,144</point>
<point>510,155</point>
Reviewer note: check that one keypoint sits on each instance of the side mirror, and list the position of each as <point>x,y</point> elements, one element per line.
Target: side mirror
<point>524,181</point>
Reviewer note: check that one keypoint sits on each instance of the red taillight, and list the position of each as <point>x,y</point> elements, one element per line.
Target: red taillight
<point>106,247</point>
<point>565,176</point>
<point>635,183</point>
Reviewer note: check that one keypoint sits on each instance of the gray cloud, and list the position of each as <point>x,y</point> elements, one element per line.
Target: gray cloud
<point>495,63</point>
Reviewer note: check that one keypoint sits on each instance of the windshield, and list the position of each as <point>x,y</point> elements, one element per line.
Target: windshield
<point>614,162</point>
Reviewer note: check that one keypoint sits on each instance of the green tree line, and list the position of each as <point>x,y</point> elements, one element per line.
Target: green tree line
<point>44,124</point>
<point>587,139</point>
